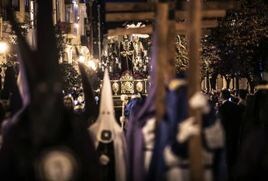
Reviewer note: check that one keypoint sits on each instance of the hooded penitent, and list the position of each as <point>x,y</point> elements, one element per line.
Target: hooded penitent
<point>176,111</point>
<point>170,159</point>
<point>44,141</point>
<point>109,137</point>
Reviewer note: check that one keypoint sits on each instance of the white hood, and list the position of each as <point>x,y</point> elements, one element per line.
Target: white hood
<point>106,122</point>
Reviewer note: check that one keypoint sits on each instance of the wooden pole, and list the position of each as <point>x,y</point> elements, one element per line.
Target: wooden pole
<point>194,33</point>
<point>171,46</point>
<point>126,7</point>
<point>180,28</point>
<point>161,32</point>
<point>123,31</point>
<point>61,11</point>
<point>54,12</point>
<point>139,16</point>
<point>112,7</point>
<point>22,11</point>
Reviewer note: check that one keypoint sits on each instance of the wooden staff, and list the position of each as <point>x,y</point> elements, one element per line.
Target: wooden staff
<point>171,56</point>
<point>161,32</point>
<point>54,11</point>
<point>22,11</point>
<point>194,33</point>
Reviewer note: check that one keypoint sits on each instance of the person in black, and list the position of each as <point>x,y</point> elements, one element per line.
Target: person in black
<point>228,112</point>
<point>43,140</point>
<point>253,159</point>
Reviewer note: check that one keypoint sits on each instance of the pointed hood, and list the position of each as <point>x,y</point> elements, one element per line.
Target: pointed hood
<point>106,126</point>
<point>106,129</point>
<point>106,104</point>
<point>91,107</point>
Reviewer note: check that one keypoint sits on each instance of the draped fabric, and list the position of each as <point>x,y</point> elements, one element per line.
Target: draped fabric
<point>105,132</point>
<point>146,143</point>
<point>155,153</point>
<point>135,137</point>
<point>176,112</point>
<point>170,156</point>
<point>138,152</point>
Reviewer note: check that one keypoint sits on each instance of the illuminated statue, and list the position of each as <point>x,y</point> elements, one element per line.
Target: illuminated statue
<point>138,47</point>
<point>139,55</point>
<point>112,51</point>
<point>126,55</point>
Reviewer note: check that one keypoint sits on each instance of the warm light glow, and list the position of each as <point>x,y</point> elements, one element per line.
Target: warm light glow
<point>82,59</point>
<point>138,25</point>
<point>91,64</point>
<point>141,35</point>
<point>76,25</point>
<point>3,47</point>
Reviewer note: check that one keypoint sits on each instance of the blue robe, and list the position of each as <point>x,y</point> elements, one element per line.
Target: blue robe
<point>166,136</point>
<point>176,112</point>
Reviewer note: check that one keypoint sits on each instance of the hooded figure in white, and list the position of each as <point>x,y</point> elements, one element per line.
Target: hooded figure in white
<point>109,138</point>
